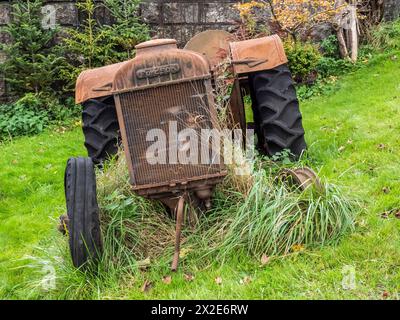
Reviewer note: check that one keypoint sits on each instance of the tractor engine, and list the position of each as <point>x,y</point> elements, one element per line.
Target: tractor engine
<point>160,95</point>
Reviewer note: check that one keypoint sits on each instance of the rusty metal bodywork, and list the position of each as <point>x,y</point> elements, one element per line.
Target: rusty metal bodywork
<point>212,44</point>
<point>257,54</point>
<point>163,87</point>
<point>163,84</point>
<point>302,178</point>
<point>96,83</point>
<point>247,57</point>
<point>158,86</point>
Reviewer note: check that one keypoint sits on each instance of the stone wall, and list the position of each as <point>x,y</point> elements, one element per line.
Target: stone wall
<point>392,9</point>
<point>4,19</point>
<point>179,19</point>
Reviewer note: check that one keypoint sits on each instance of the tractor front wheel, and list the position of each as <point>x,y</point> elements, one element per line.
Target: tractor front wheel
<point>83,212</point>
<point>101,129</point>
<point>277,117</point>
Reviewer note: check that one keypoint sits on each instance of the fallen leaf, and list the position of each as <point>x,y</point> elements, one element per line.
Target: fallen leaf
<point>188,277</point>
<point>63,224</point>
<point>297,247</point>
<point>264,259</point>
<point>167,279</point>
<point>385,215</point>
<point>144,263</point>
<point>218,280</point>
<point>341,149</point>
<point>349,141</point>
<point>386,190</point>
<point>385,294</point>
<point>381,146</point>
<point>394,212</point>
<point>15,161</point>
<point>245,280</point>
<point>147,285</point>
<point>184,252</point>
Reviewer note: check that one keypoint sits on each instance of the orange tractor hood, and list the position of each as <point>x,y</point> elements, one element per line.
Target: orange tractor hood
<point>156,61</point>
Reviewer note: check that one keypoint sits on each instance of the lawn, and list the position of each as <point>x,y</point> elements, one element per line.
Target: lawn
<point>354,142</point>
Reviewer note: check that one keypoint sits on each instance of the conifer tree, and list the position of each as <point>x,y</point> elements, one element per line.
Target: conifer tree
<point>95,44</point>
<point>31,64</point>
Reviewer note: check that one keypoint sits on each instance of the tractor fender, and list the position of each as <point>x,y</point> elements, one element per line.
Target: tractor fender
<point>257,54</point>
<point>96,83</point>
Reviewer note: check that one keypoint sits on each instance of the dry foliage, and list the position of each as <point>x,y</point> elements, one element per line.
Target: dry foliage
<point>293,17</point>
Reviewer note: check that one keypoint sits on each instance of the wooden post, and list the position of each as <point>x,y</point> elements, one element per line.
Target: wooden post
<point>347,29</point>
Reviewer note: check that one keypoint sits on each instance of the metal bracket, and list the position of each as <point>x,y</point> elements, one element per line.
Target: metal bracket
<point>106,87</point>
<point>251,62</point>
<point>179,220</point>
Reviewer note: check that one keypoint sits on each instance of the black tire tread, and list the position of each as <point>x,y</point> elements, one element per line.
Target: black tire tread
<point>101,129</point>
<point>277,116</point>
<point>83,212</point>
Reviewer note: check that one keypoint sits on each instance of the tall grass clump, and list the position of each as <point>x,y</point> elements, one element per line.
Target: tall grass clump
<point>133,228</point>
<point>254,214</point>
<point>275,219</point>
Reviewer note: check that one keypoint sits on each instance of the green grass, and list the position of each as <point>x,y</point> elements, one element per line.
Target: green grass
<point>31,197</point>
<point>353,137</point>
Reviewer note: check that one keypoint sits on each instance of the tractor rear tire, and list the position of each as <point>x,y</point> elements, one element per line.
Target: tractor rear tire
<point>83,212</point>
<point>277,116</point>
<point>101,129</point>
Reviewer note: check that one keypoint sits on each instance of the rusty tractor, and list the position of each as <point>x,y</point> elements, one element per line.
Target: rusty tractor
<point>163,85</point>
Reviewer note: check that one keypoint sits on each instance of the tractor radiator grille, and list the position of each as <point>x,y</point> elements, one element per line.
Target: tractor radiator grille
<point>181,105</point>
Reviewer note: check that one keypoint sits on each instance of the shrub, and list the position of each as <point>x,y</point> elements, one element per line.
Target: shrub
<point>331,64</point>
<point>297,17</point>
<point>127,31</point>
<point>330,47</point>
<point>33,113</point>
<point>385,37</point>
<point>248,27</point>
<point>19,119</point>
<point>32,64</point>
<point>325,86</point>
<point>327,66</point>
<point>96,45</point>
<point>303,60</point>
